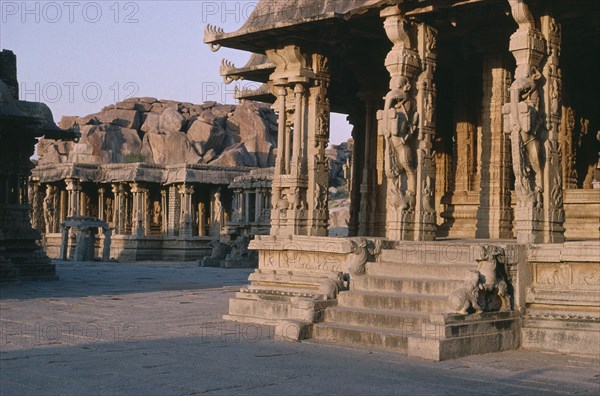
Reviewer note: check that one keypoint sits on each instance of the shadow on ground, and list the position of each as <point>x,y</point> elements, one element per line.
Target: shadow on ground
<point>79,279</point>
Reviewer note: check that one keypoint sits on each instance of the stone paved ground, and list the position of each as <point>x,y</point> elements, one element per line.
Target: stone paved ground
<point>155,329</point>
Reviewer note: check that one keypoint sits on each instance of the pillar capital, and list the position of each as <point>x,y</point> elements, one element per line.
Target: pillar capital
<point>72,184</point>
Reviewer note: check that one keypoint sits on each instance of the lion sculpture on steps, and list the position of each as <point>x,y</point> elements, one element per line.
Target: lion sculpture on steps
<point>486,289</point>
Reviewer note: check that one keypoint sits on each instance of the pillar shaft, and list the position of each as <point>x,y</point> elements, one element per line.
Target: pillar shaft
<point>186,197</point>
<point>299,193</point>
<point>407,123</point>
<point>535,97</point>
<point>73,189</point>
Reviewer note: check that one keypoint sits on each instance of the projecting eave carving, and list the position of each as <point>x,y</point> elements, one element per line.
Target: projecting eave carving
<point>260,94</point>
<point>258,68</point>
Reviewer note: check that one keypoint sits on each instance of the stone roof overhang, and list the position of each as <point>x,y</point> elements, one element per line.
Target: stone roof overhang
<point>271,19</point>
<point>19,117</point>
<point>139,172</point>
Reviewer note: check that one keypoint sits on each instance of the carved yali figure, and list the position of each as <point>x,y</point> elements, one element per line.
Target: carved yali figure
<point>492,277</point>
<point>463,298</point>
<point>400,122</point>
<point>485,289</point>
<point>330,287</point>
<point>360,254</point>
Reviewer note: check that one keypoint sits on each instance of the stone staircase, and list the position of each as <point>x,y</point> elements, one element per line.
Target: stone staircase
<point>399,305</point>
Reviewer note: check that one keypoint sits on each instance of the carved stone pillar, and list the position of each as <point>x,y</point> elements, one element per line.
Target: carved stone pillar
<point>357,166</point>
<point>567,145</point>
<point>148,213</point>
<point>186,194</point>
<point>173,211</point>
<point>73,189</point>
<point>138,210</point>
<point>554,213</point>
<point>101,203</point>
<point>164,210</point>
<point>494,215</point>
<point>37,212</point>
<point>119,208</point>
<point>299,193</point>
<point>407,124</point>
<point>216,214</point>
<point>368,194</point>
<point>235,216</point>
<point>535,97</point>
<point>62,206</point>
<point>51,207</point>
<point>201,219</point>
<point>258,206</point>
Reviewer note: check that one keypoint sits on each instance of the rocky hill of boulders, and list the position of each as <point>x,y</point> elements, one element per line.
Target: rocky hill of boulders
<point>169,132</point>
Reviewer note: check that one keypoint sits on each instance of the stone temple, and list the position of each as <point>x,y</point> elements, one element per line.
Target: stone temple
<point>21,123</point>
<point>473,224</point>
<point>157,173</point>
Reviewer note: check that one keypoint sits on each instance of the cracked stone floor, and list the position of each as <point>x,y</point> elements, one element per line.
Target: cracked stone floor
<point>156,329</point>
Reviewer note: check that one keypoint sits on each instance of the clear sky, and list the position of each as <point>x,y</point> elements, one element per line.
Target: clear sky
<point>78,56</point>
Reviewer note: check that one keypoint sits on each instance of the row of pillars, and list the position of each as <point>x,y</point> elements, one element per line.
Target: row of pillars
<point>175,213</point>
<point>242,209</point>
<point>398,175</point>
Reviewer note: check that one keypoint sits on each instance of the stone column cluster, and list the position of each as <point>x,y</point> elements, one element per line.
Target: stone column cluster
<point>407,123</point>
<point>73,195</point>
<point>301,180</point>
<point>186,215</point>
<point>532,119</point>
<point>138,212</point>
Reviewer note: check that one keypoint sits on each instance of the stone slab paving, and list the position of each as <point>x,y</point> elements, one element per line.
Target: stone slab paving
<point>156,329</point>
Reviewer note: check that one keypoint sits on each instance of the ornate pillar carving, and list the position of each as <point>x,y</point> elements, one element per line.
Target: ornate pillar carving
<point>567,144</point>
<point>173,211</point>
<point>138,210</point>
<point>368,207</point>
<point>299,194</point>
<point>201,219</point>
<point>407,123</point>
<point>532,118</point>
<point>101,203</point>
<point>186,194</point>
<point>164,211</point>
<point>148,208</point>
<point>216,214</point>
<point>494,215</point>
<point>51,210</point>
<point>73,189</point>
<point>119,208</point>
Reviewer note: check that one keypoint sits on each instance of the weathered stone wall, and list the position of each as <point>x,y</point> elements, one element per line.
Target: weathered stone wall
<point>169,132</point>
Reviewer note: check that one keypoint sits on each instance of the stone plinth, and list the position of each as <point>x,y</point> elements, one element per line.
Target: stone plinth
<point>563,299</point>
<point>297,278</point>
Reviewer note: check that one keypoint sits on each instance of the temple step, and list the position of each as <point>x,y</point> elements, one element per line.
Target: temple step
<point>409,285</point>
<point>421,270</point>
<point>420,252</point>
<point>408,322</point>
<point>393,301</point>
<point>393,340</point>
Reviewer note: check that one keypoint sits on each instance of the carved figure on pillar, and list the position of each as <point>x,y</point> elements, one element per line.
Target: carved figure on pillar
<point>399,126</point>
<point>525,120</point>
<point>49,209</point>
<point>217,214</point>
<point>532,118</point>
